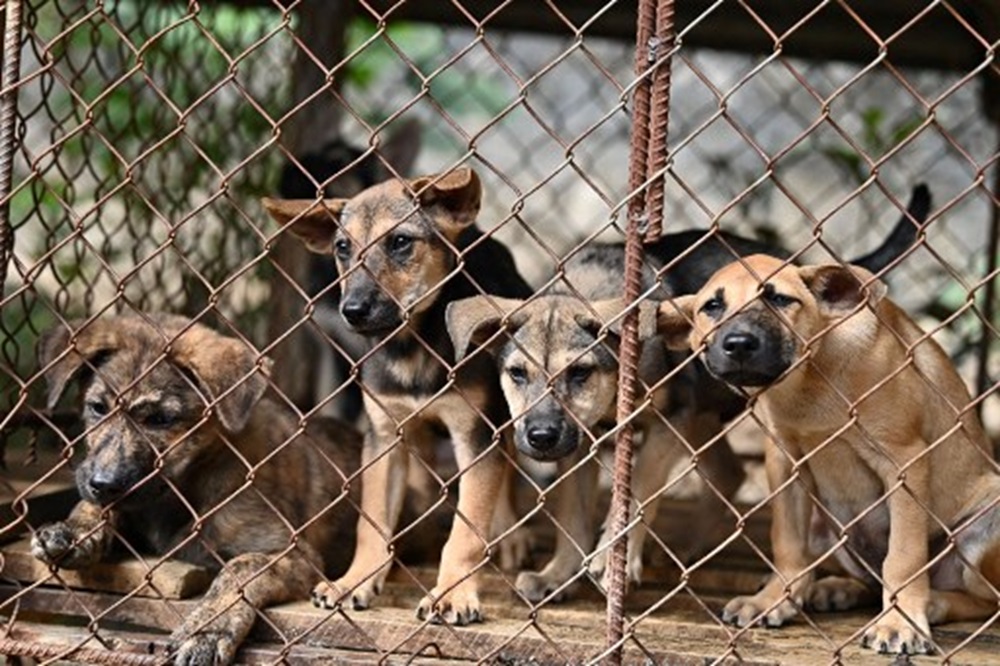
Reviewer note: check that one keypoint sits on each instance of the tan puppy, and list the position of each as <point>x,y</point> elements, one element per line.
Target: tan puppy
<point>871,425</point>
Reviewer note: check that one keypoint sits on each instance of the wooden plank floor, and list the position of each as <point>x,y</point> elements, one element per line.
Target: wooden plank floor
<point>670,623</point>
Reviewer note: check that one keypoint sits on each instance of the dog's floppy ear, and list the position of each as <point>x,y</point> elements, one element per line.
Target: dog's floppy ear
<point>473,321</point>
<point>674,322</point>
<point>458,193</point>
<point>610,314</point>
<point>226,369</point>
<point>313,222</point>
<point>64,352</point>
<point>838,288</point>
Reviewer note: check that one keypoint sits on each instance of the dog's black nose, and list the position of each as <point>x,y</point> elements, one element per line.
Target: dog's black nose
<point>543,437</point>
<point>740,346</point>
<point>355,311</point>
<point>106,486</point>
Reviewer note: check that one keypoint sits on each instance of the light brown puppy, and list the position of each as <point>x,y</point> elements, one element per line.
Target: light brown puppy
<point>871,431</point>
<point>179,435</point>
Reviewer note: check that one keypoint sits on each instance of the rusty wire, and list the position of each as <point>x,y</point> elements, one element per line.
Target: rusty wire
<point>36,650</point>
<point>140,199</point>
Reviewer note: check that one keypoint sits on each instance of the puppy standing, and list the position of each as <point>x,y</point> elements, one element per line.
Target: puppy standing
<point>398,246</point>
<point>869,417</point>
<point>158,460</point>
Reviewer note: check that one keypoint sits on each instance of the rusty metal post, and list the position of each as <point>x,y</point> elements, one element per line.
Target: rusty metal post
<point>654,38</point>
<point>8,118</point>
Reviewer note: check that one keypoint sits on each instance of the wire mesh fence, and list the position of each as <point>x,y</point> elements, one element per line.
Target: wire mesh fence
<point>326,302</point>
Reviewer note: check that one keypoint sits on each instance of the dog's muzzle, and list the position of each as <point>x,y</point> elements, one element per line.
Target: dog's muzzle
<point>747,354</point>
<point>546,437</point>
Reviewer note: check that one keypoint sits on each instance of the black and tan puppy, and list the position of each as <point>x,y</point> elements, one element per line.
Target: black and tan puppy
<point>177,431</point>
<point>558,365</point>
<point>869,419</point>
<point>405,250</point>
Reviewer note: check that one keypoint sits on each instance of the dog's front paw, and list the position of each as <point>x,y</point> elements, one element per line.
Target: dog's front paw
<point>206,648</point>
<point>894,634</point>
<point>536,586</point>
<point>458,606</point>
<point>839,593</point>
<point>759,609</point>
<point>358,595</point>
<point>58,544</point>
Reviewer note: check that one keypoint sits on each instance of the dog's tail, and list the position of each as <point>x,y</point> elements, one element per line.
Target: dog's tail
<point>903,234</point>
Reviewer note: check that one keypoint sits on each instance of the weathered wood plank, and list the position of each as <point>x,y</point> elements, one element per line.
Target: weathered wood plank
<point>166,579</point>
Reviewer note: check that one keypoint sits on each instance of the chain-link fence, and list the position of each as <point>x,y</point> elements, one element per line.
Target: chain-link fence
<point>413,443</point>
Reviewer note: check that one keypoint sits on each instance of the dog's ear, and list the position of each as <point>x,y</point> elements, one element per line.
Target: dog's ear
<point>458,193</point>
<point>674,322</point>
<point>313,222</point>
<point>610,316</point>
<point>226,369</point>
<point>838,288</point>
<point>64,352</point>
<point>475,320</point>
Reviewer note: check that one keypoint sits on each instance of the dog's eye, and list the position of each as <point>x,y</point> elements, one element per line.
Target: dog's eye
<point>579,374</point>
<point>517,374</point>
<point>342,248</point>
<point>400,244</point>
<point>159,419</point>
<point>713,307</point>
<point>779,300</point>
<point>96,408</point>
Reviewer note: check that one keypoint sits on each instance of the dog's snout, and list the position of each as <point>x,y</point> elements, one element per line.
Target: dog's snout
<point>740,345</point>
<point>105,485</point>
<point>543,437</point>
<point>355,310</point>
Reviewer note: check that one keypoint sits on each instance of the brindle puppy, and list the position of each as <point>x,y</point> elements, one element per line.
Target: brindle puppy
<point>405,250</point>
<point>177,431</point>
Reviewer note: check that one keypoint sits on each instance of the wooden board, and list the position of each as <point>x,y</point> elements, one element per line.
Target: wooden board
<point>167,579</point>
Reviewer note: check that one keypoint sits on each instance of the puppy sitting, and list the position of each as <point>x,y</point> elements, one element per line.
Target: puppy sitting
<point>869,419</point>
<point>158,460</point>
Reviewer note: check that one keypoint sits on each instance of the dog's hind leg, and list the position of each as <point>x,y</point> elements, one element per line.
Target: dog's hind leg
<point>383,488</point>
<point>515,545</point>
<point>659,453</point>
<point>213,632</point>
<point>574,507</point>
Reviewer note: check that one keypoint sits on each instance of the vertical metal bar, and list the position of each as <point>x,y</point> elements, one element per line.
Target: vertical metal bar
<point>989,292</point>
<point>621,497</point>
<point>8,117</point>
<point>659,52</point>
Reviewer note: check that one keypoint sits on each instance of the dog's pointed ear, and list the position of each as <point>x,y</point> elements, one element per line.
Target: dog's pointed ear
<point>674,320</point>
<point>475,320</point>
<point>839,288</point>
<point>226,369</point>
<point>313,222</point>
<point>64,352</point>
<point>458,194</point>
<point>610,316</point>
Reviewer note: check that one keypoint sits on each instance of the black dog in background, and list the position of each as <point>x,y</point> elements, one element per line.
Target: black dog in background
<point>339,169</point>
